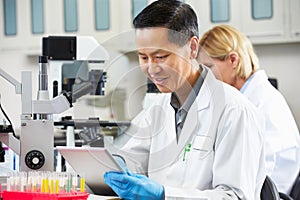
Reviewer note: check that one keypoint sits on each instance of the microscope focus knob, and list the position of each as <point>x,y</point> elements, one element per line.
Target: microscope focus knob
<point>34,159</point>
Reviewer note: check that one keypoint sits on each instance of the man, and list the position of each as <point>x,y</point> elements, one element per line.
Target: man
<point>202,139</point>
<point>232,59</point>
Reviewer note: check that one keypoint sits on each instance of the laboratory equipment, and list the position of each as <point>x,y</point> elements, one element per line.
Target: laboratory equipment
<point>35,146</point>
<point>36,143</point>
<point>75,65</point>
<point>76,69</point>
<point>44,185</point>
<point>91,129</point>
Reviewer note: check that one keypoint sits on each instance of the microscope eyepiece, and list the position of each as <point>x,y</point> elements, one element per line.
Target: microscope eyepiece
<point>43,59</point>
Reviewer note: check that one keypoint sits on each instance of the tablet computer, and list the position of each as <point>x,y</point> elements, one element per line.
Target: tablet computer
<point>91,163</point>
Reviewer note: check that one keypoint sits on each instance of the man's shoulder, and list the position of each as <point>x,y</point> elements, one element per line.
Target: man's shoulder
<point>231,97</point>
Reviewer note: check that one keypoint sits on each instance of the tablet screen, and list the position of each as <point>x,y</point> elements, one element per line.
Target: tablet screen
<point>91,163</point>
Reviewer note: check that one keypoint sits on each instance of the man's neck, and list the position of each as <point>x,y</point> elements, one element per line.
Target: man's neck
<point>183,92</point>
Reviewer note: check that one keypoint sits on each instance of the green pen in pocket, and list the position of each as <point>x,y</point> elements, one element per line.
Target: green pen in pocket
<point>186,149</point>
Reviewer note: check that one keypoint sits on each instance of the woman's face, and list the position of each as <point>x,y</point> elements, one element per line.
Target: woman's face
<point>166,64</point>
<point>222,69</point>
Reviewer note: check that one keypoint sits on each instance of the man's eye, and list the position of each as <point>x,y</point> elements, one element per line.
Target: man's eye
<point>143,57</point>
<point>161,57</point>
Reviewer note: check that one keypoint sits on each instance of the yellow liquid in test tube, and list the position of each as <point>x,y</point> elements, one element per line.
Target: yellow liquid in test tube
<point>51,186</point>
<point>57,186</point>
<point>43,186</point>
<point>46,186</point>
<point>82,182</point>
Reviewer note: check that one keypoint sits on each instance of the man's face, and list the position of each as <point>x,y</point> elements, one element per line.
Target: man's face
<point>166,64</point>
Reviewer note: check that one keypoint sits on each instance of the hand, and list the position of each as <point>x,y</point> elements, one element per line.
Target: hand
<point>133,186</point>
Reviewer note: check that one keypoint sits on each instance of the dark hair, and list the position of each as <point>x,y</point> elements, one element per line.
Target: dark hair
<point>178,17</point>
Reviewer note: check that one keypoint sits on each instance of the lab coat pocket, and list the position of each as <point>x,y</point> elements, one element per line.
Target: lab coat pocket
<point>202,146</point>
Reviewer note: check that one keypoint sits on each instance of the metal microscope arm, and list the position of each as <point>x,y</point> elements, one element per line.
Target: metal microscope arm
<point>18,86</point>
<point>8,138</point>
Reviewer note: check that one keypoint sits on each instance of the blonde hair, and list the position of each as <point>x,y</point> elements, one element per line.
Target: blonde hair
<point>219,41</point>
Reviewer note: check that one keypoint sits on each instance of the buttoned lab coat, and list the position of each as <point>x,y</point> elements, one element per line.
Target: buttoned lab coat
<point>226,156</point>
<point>282,135</point>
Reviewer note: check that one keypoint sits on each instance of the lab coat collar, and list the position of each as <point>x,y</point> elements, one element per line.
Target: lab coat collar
<point>257,79</point>
<point>175,148</point>
<point>201,103</point>
<point>203,98</point>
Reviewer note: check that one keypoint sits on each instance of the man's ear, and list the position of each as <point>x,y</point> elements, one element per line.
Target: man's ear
<point>234,59</point>
<point>194,46</point>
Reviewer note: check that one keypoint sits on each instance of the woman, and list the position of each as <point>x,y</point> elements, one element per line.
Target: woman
<point>231,57</point>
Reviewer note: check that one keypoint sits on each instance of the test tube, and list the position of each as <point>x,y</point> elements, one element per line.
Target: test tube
<point>35,182</point>
<point>31,181</point>
<point>13,182</point>
<point>17,182</point>
<point>38,181</point>
<point>51,183</point>
<point>45,182</point>
<point>68,182</point>
<point>61,183</point>
<point>74,182</point>
<point>23,181</point>
<point>57,183</point>
<point>8,183</point>
<point>82,183</point>
<point>46,178</point>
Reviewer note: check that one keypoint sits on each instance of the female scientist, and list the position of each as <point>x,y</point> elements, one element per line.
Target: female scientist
<point>232,59</point>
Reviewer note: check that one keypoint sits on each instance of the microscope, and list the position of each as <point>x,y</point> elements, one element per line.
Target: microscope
<point>75,65</point>
<point>70,78</point>
<point>35,145</point>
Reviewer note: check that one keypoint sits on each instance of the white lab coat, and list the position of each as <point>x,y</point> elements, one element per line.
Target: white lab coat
<point>226,159</point>
<point>282,135</point>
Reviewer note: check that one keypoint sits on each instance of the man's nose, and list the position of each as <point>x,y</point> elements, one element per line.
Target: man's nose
<point>153,68</point>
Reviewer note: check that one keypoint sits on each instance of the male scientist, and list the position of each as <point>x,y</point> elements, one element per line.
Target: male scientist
<point>202,139</point>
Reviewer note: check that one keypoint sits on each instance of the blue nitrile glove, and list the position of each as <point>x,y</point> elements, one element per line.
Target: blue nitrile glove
<point>133,186</point>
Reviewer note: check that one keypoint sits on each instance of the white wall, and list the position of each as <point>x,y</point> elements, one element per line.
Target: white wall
<point>282,61</point>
